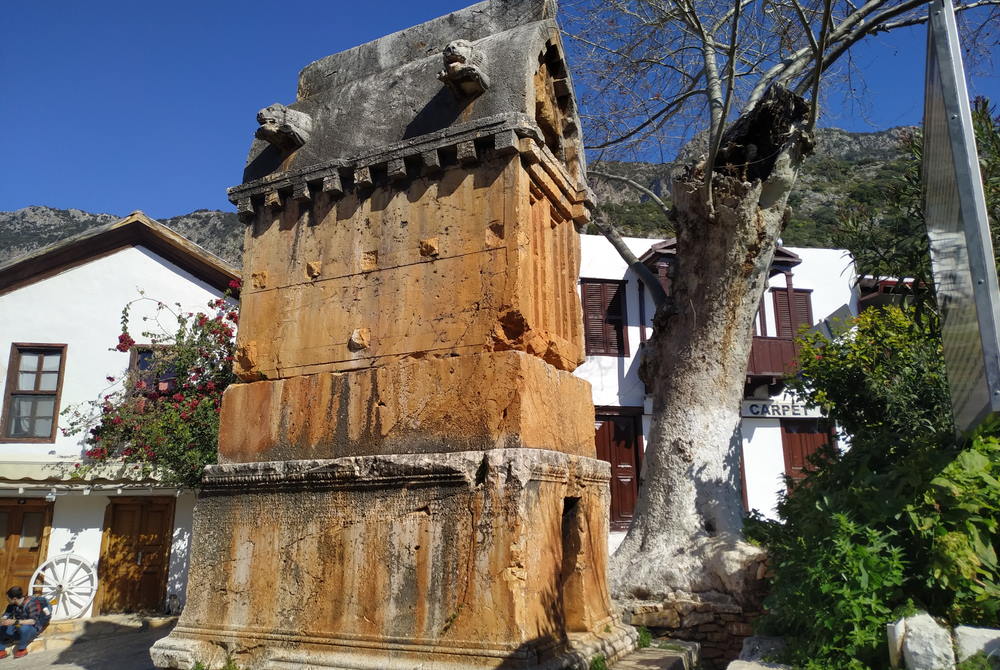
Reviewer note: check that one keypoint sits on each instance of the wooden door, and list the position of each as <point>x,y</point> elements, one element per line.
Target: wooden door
<point>135,553</point>
<point>24,532</point>
<point>619,442</point>
<point>800,438</point>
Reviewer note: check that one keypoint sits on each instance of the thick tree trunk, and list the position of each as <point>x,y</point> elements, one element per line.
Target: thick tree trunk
<point>687,530</point>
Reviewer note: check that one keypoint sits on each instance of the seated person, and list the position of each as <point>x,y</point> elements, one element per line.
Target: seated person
<point>24,618</point>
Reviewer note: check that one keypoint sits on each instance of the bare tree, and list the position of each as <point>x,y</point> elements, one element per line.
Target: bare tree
<point>655,67</point>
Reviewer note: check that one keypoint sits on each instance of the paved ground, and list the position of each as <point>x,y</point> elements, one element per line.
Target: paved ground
<point>128,651</point>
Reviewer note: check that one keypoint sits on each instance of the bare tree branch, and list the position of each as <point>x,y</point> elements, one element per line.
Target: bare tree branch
<point>637,186</point>
<point>716,138</point>
<point>645,275</point>
<point>665,113</point>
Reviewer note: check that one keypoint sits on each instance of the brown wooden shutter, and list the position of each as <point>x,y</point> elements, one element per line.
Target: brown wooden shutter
<point>593,317</point>
<point>786,322</point>
<point>604,317</point>
<point>800,438</point>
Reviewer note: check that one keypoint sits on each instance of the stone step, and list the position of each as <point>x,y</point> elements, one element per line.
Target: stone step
<point>652,658</point>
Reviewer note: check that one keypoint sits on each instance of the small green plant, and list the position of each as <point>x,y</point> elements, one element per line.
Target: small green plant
<point>645,637</point>
<point>979,661</point>
<point>230,665</point>
<point>599,663</point>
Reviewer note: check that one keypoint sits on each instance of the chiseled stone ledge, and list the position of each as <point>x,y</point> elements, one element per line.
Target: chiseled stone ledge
<point>462,467</point>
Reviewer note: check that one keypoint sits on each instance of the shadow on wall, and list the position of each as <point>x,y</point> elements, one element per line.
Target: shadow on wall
<point>719,500</point>
<point>178,571</point>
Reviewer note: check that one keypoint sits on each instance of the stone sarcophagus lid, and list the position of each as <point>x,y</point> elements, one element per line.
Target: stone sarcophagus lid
<point>407,472</point>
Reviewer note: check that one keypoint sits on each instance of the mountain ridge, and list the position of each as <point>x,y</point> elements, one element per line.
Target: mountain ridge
<point>844,172</point>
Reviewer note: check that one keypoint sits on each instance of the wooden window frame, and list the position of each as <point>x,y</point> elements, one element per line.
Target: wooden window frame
<point>623,348</point>
<point>133,363</point>
<point>13,366</point>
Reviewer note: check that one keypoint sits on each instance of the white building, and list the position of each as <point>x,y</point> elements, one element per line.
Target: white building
<point>777,433</point>
<point>60,313</point>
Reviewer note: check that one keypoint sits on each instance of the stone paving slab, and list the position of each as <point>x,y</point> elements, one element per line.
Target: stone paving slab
<point>652,658</point>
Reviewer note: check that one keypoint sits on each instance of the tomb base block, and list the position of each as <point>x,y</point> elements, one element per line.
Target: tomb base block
<point>471,559</point>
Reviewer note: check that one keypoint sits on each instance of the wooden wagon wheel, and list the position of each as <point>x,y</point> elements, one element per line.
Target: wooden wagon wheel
<point>68,581</point>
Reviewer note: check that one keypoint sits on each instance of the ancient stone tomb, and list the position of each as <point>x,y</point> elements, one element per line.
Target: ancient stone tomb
<point>407,474</point>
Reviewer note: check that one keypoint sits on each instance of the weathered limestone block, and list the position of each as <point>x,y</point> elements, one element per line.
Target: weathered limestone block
<point>455,403</point>
<point>461,560</point>
<point>970,640</point>
<point>927,645</point>
<point>475,260</point>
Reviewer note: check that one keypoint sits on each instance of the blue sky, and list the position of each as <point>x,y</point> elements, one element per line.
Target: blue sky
<point>111,106</point>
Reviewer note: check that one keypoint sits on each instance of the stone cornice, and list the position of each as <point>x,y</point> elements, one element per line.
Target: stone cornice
<point>462,144</point>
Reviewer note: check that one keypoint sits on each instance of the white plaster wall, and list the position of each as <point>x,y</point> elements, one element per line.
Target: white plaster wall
<point>615,381</point>
<point>76,527</point>
<point>763,464</point>
<point>81,308</point>
<point>180,548</point>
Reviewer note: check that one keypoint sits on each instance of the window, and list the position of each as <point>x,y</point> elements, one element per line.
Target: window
<point>787,321</point>
<point>31,401</point>
<point>604,317</point>
<point>150,371</point>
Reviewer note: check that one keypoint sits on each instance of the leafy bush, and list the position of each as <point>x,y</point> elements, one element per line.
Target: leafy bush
<point>165,417</point>
<point>645,637</point>
<point>599,663</point>
<point>979,661</point>
<point>907,517</point>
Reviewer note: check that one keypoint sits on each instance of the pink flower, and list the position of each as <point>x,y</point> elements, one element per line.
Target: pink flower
<point>125,342</point>
<point>235,284</point>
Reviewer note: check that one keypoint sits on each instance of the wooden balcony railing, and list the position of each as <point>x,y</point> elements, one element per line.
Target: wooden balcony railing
<point>773,357</point>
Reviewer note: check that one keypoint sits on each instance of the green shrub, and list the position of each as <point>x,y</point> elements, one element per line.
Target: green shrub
<point>645,637</point>
<point>979,661</point>
<point>906,518</point>
<point>599,663</point>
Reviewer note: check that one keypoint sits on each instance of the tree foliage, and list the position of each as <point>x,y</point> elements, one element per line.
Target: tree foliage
<point>164,415</point>
<point>907,517</point>
<point>888,236</point>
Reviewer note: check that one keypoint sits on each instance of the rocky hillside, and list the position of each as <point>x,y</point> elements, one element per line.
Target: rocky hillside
<point>843,173</point>
<point>34,227</point>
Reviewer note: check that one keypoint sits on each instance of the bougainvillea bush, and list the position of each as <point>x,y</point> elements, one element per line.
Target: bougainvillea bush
<point>163,413</point>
